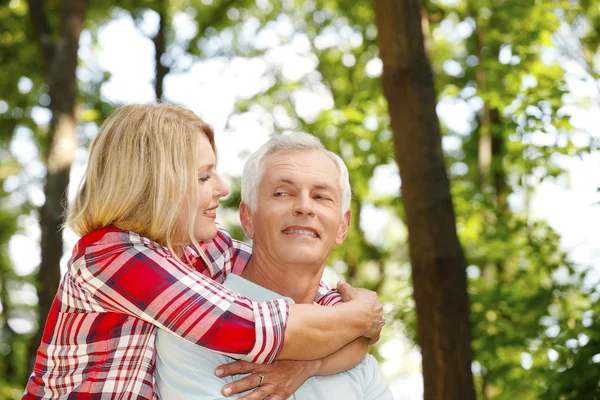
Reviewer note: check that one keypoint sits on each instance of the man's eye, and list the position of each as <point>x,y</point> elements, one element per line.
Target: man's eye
<point>321,197</point>
<point>204,178</point>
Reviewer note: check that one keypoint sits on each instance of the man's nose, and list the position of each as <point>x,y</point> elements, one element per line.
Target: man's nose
<point>303,206</point>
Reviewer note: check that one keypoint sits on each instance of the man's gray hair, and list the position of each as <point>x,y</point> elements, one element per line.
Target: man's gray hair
<point>254,171</point>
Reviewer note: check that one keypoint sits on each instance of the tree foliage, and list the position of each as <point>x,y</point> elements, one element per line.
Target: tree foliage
<point>503,100</point>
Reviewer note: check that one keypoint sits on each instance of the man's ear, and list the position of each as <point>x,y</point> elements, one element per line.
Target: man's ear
<point>343,229</point>
<point>246,220</point>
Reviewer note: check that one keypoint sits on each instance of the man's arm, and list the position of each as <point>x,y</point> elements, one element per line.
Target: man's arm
<point>283,378</point>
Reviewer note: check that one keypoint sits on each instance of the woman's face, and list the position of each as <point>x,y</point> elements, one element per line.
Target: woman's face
<point>210,188</point>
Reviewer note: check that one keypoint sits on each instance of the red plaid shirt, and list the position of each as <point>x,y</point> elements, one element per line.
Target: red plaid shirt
<point>98,342</point>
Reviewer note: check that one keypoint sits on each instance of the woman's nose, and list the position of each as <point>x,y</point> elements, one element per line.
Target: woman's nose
<point>221,190</point>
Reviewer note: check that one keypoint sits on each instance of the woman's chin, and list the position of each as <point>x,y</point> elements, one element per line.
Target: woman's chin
<point>206,233</point>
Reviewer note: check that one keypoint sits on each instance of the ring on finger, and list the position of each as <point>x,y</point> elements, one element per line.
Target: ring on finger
<point>262,378</point>
<point>383,321</point>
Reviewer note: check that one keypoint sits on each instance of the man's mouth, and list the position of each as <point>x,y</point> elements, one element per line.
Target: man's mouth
<point>304,232</point>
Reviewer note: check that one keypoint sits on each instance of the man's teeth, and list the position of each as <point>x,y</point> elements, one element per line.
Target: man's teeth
<point>210,212</point>
<point>300,232</point>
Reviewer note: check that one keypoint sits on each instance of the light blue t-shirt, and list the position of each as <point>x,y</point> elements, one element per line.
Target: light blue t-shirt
<point>185,371</point>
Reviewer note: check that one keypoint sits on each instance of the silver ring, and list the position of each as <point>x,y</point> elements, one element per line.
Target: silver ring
<point>262,378</point>
<point>383,322</point>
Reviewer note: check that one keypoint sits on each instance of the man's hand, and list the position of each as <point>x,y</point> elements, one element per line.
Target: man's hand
<point>367,302</point>
<point>280,379</point>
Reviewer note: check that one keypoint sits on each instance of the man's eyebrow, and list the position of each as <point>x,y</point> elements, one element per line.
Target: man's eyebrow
<point>287,181</point>
<point>318,186</point>
<point>324,186</point>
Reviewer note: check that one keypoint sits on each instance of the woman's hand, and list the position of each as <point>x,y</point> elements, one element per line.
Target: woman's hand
<point>367,303</point>
<point>280,379</point>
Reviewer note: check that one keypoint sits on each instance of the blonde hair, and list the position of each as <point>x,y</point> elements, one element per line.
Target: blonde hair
<point>141,174</point>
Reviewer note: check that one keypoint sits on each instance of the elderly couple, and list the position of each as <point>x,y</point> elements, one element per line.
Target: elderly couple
<point>159,302</point>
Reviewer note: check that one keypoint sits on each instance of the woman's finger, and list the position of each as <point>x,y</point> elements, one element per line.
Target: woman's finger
<point>241,385</point>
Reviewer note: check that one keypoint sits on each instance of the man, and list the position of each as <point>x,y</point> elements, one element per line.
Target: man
<point>295,207</point>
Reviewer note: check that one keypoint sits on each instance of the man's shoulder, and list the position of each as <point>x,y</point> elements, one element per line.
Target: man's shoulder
<point>366,381</point>
<point>375,386</point>
<point>367,366</point>
<point>370,361</point>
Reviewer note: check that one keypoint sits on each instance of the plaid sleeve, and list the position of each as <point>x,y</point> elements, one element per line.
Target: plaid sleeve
<point>151,285</point>
<point>327,296</point>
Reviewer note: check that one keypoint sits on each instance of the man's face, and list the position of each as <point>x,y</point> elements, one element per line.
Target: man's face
<point>298,216</point>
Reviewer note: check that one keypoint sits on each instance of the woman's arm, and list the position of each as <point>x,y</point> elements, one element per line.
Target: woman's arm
<point>150,285</point>
<point>315,332</point>
<point>344,359</point>
<point>329,332</point>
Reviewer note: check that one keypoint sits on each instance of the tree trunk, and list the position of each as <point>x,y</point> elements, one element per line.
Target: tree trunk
<point>489,141</point>
<point>8,369</point>
<point>438,264</point>
<point>492,179</point>
<point>486,122</point>
<point>160,48</point>
<point>61,145</point>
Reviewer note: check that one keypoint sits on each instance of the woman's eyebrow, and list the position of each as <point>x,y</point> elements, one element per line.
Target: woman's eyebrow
<point>206,167</point>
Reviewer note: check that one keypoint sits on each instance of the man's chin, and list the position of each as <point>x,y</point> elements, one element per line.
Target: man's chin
<point>300,255</point>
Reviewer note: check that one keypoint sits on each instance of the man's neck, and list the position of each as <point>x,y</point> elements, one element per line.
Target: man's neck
<point>299,282</point>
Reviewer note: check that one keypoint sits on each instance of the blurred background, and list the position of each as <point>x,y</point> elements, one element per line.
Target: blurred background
<point>523,74</point>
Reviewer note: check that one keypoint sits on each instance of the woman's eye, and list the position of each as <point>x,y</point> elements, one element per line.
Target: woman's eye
<point>204,178</point>
<point>279,194</point>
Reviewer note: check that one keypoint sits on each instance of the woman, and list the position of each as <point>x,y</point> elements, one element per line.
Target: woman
<point>150,193</point>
